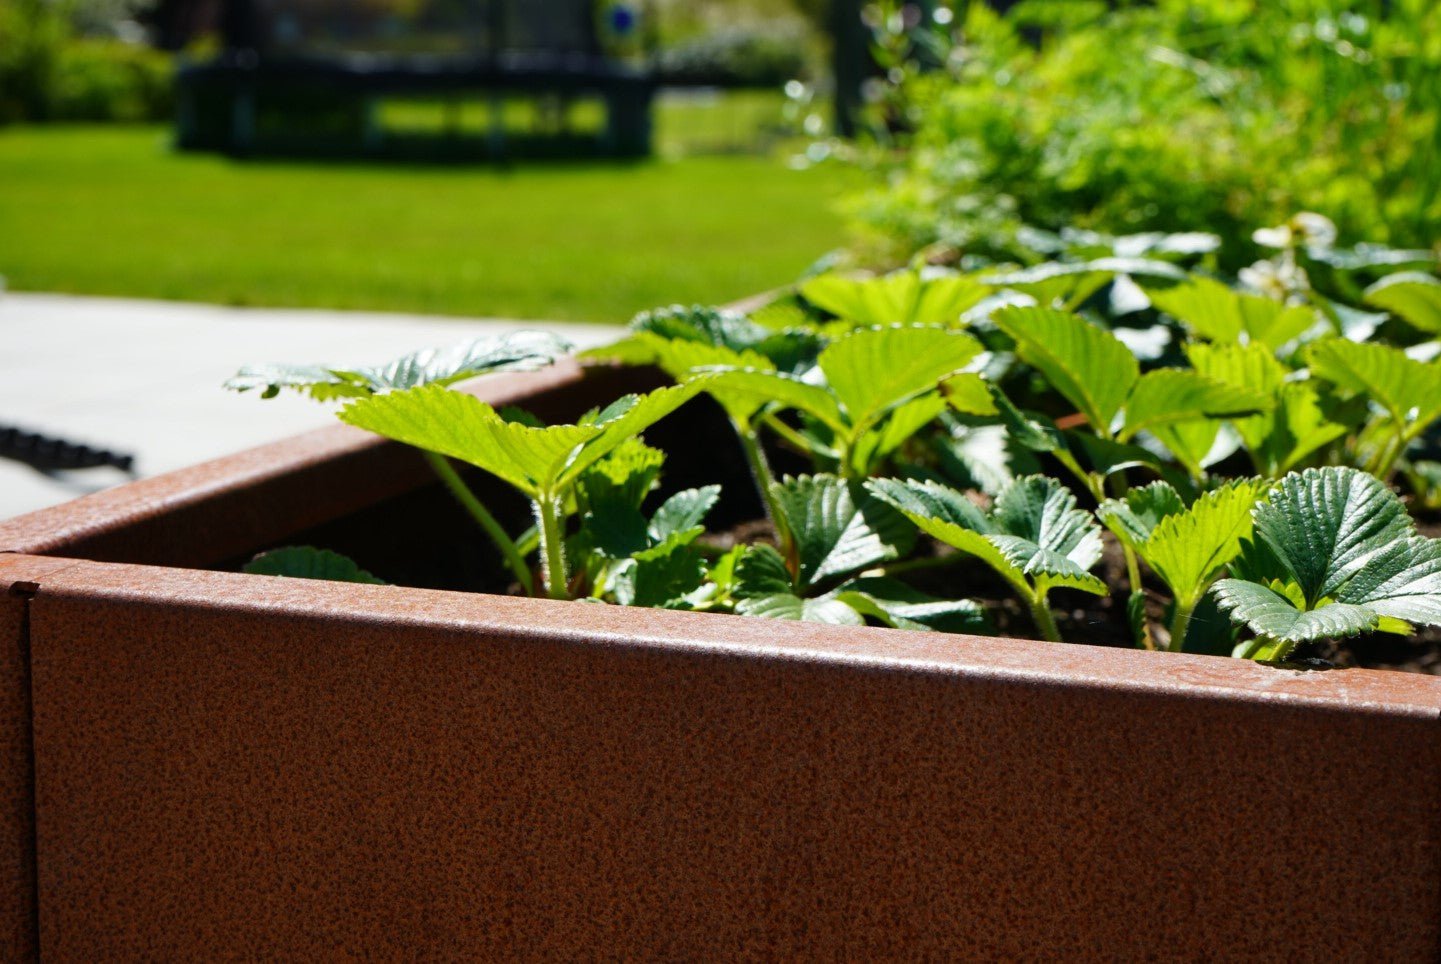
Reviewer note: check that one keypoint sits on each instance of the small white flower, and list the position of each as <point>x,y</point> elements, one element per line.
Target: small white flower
<point>1314,230</point>
<point>1277,237</point>
<point>1279,279</point>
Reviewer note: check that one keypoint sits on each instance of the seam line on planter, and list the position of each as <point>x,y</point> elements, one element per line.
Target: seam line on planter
<point>26,591</point>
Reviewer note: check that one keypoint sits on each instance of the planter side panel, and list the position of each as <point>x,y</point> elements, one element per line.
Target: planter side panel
<point>242,778</point>
<point>19,578</point>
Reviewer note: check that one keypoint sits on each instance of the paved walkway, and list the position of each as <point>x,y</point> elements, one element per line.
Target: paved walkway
<point>143,377</point>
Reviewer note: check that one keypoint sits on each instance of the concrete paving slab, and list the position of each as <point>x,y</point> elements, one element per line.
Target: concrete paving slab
<point>144,377</point>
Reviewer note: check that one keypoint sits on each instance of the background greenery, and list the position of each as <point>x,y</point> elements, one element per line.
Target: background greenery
<point>69,60</point>
<point>1176,115</point>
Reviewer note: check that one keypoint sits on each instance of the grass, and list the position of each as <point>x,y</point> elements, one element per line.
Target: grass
<point>113,211</point>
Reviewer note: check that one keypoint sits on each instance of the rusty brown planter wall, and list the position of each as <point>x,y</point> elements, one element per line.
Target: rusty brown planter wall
<point>238,766</point>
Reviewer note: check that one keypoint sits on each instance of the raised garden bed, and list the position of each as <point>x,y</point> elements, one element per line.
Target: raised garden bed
<point>203,763</point>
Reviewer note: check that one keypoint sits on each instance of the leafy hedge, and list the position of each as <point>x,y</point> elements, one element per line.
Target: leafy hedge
<point>49,73</point>
<point>1176,115</point>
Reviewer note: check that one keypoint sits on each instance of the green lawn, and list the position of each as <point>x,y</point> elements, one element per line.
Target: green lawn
<point>112,210</point>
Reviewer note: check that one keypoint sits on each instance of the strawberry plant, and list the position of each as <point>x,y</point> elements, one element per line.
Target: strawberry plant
<point>518,351</point>
<point>1140,453</point>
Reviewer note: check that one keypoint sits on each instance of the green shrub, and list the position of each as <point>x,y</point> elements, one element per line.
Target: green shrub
<point>48,71</point>
<point>31,35</point>
<point>1173,115</point>
<point>106,80</point>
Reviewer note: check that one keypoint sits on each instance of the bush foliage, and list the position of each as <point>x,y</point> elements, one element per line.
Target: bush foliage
<point>1175,115</point>
<point>51,71</point>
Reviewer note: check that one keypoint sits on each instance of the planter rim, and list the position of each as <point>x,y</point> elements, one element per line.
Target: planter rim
<point>83,535</point>
<point>1022,661</point>
<point>61,528</point>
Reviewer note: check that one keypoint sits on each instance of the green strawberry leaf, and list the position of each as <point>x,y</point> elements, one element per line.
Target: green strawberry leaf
<point>682,511</point>
<point>662,575</point>
<point>1034,535</point>
<point>1325,525</point>
<point>534,460</point>
<point>1267,613</point>
<point>1027,429</point>
<point>700,324</point>
<point>893,603</point>
<point>902,297</point>
<point>761,571</point>
<point>1409,391</point>
<point>969,394</point>
<point>1410,295</point>
<point>517,351</point>
<point>1170,395</point>
<point>873,370</point>
<point>1217,313</point>
<point>1190,548</point>
<point>838,527</point>
<point>463,427</point>
<point>826,609</point>
<point>1071,283</point>
<point>1134,517</point>
<point>1251,367</point>
<point>1336,554</point>
<point>307,562</point>
<point>756,387</point>
<point>1090,367</point>
<point>1299,424</point>
<point>904,422</point>
<point>623,478</point>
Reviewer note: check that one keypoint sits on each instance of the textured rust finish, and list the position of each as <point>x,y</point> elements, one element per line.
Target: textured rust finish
<point>238,766</point>
<point>18,936</point>
<point>232,766</point>
<point>220,509</point>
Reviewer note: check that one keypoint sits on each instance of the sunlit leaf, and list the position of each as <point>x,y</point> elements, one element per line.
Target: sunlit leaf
<point>1409,391</point>
<point>1134,517</point>
<point>876,369</point>
<point>1190,548</point>
<point>1337,554</point>
<point>517,351</point>
<point>838,527</point>
<point>893,603</point>
<point>534,460</point>
<point>1410,295</point>
<point>682,511</point>
<point>1033,533</point>
<point>1169,395</point>
<point>1090,367</point>
<point>786,606</point>
<point>902,297</point>
<point>1220,314</point>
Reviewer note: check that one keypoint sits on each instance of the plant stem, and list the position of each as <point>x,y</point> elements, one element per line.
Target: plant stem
<point>1180,623</point>
<point>547,513</point>
<point>513,559</point>
<point>1268,649</point>
<point>1133,568</point>
<point>1041,614</point>
<point>1088,479</point>
<point>797,440</point>
<point>760,468</point>
<point>1390,452</point>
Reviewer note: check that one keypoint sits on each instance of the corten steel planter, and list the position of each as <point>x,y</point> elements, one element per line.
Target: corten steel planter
<point>203,764</point>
